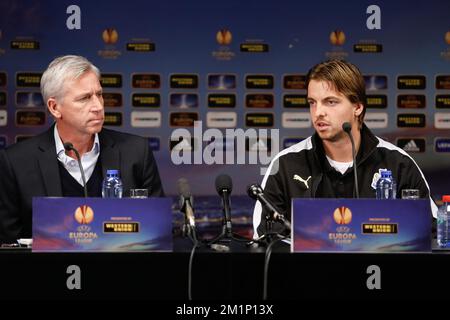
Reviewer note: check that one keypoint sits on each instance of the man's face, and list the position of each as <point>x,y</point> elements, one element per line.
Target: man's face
<point>80,110</point>
<point>330,109</point>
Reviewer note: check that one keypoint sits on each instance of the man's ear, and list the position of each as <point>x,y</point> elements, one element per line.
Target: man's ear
<point>359,108</point>
<point>53,108</point>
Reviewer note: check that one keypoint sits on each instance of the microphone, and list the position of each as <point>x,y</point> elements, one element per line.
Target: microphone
<point>186,206</point>
<point>224,186</point>
<point>347,127</point>
<point>68,146</point>
<point>256,192</point>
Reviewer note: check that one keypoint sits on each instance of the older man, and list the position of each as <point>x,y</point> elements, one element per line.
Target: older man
<point>41,167</point>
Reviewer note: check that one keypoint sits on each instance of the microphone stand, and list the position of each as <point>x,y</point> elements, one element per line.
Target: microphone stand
<point>272,215</point>
<point>355,168</point>
<point>227,213</point>
<point>68,147</point>
<point>227,235</point>
<point>269,236</point>
<point>189,221</point>
<point>347,128</point>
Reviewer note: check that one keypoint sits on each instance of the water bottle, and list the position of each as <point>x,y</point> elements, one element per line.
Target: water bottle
<point>443,220</point>
<point>112,185</point>
<point>385,186</point>
<point>394,188</point>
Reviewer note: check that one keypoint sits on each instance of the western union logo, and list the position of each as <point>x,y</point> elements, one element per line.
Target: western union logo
<point>376,101</point>
<point>115,227</point>
<point>259,82</point>
<point>411,120</point>
<point>379,228</point>
<point>141,47</point>
<point>411,82</point>
<point>113,119</point>
<point>146,100</point>
<point>28,79</point>
<point>111,80</point>
<point>295,101</point>
<point>221,100</point>
<point>24,45</point>
<point>259,120</point>
<point>368,48</point>
<point>443,101</point>
<point>254,47</point>
<point>184,81</point>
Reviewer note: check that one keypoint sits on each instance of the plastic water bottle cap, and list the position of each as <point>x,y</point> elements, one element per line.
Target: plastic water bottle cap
<point>446,198</point>
<point>112,172</point>
<point>386,173</point>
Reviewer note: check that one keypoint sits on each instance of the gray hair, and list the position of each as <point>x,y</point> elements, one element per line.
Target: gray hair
<point>60,70</point>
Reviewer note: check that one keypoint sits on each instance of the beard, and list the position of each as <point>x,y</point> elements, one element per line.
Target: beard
<point>332,135</point>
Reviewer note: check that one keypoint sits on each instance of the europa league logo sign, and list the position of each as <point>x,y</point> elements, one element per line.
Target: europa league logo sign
<point>84,215</point>
<point>342,215</point>
<point>337,37</point>
<point>110,36</point>
<point>224,37</point>
<point>447,37</point>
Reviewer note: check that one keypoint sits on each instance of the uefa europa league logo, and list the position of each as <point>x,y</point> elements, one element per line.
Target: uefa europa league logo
<point>342,215</point>
<point>84,214</point>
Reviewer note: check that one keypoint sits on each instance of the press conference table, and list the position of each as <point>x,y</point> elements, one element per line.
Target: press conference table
<point>219,276</point>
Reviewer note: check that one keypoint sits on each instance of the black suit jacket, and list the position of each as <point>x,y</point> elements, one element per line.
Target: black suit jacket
<point>30,169</point>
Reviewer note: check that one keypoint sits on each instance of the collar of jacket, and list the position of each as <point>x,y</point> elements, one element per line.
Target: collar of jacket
<point>109,157</point>
<point>367,146</point>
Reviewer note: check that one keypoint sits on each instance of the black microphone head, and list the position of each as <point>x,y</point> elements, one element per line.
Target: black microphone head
<point>68,146</point>
<point>183,188</point>
<point>253,190</point>
<point>347,127</point>
<point>224,182</point>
